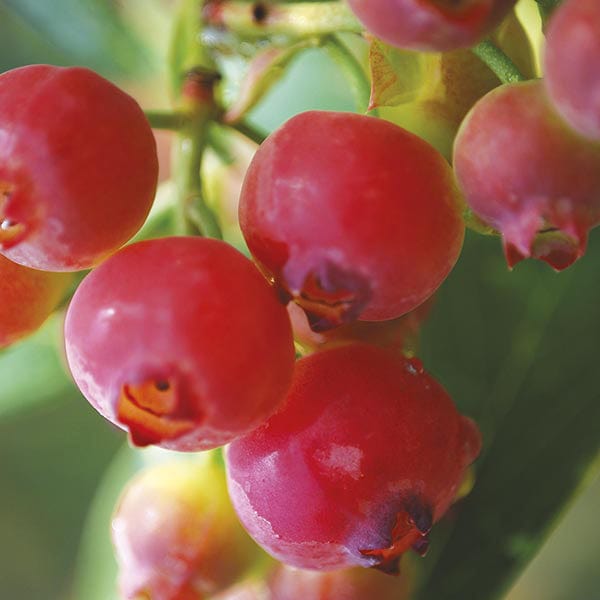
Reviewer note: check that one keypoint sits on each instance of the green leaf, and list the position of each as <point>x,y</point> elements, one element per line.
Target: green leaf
<point>50,460</point>
<point>85,32</point>
<point>397,75</point>
<point>265,69</point>
<point>517,351</point>
<point>31,371</point>
<point>21,44</point>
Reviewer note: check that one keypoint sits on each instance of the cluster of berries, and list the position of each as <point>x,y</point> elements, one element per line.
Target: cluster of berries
<point>183,342</point>
<point>347,456</point>
<point>543,195</point>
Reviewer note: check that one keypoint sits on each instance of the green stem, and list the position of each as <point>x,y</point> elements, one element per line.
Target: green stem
<point>199,104</point>
<point>504,68</point>
<point>217,140</point>
<point>250,131</point>
<point>353,70</point>
<point>299,19</point>
<point>192,208</point>
<point>163,119</point>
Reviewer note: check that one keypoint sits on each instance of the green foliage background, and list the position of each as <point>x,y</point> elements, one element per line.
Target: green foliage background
<point>518,351</point>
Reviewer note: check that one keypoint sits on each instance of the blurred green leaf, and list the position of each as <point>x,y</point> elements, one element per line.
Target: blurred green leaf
<point>84,32</point>
<point>21,44</point>
<point>51,458</point>
<point>31,371</point>
<point>96,570</point>
<point>397,75</point>
<point>517,351</point>
<point>312,82</point>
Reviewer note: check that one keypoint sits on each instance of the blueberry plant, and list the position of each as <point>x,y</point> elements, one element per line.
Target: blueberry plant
<point>265,338</point>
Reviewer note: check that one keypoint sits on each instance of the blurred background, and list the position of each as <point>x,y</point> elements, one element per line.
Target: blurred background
<point>531,336</point>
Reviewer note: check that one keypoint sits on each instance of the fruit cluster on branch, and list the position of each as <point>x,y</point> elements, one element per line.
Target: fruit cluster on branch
<point>347,456</point>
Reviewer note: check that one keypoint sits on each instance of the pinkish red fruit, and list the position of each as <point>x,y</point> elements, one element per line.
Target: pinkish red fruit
<point>78,167</point>
<point>366,454</point>
<point>527,174</point>
<point>357,583</point>
<point>572,64</point>
<point>176,535</point>
<point>181,341</point>
<point>27,297</point>
<point>431,25</point>
<point>352,216</point>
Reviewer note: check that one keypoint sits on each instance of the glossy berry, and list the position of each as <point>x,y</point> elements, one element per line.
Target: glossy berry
<point>181,341</point>
<point>527,174</point>
<point>367,453</point>
<point>431,25</point>
<point>27,297</point>
<point>397,335</point>
<point>176,534</point>
<point>572,64</point>
<point>78,167</point>
<point>357,583</point>
<point>352,216</point>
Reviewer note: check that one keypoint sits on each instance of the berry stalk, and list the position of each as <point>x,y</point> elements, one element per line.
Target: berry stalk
<point>498,61</point>
<point>198,99</point>
<point>167,120</point>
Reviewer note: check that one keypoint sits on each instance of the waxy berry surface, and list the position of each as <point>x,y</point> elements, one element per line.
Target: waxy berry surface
<point>527,174</point>
<point>352,216</point>
<point>366,454</point>
<point>572,64</point>
<point>181,341</point>
<point>431,25</point>
<point>27,297</point>
<point>176,535</point>
<point>78,167</point>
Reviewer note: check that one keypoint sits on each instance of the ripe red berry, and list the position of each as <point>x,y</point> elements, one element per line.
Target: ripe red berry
<point>181,341</point>
<point>528,175</point>
<point>176,534</point>
<point>435,25</point>
<point>27,297</point>
<point>78,167</point>
<point>352,216</point>
<point>288,583</point>
<point>572,64</point>
<point>367,453</point>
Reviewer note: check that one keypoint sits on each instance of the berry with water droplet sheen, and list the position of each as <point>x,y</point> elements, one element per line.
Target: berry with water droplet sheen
<point>181,341</point>
<point>352,216</point>
<point>78,167</point>
<point>366,454</point>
